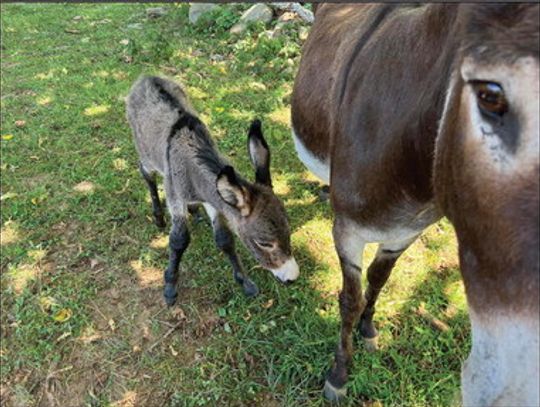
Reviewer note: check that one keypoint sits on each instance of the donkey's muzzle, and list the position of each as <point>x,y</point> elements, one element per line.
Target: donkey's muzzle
<point>288,272</point>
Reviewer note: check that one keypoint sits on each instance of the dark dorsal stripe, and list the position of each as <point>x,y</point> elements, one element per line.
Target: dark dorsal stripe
<point>164,95</point>
<point>186,119</point>
<point>206,154</point>
<point>383,12</point>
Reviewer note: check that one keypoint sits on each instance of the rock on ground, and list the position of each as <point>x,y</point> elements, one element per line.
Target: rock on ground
<point>257,12</point>
<point>155,12</point>
<point>196,10</point>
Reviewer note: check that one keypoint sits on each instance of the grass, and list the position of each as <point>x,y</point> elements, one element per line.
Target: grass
<point>83,322</point>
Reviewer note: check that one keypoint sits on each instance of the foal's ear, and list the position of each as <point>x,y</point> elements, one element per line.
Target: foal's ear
<point>259,154</point>
<point>232,192</point>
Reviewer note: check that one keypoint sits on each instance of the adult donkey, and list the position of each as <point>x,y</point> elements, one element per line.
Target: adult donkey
<point>415,112</point>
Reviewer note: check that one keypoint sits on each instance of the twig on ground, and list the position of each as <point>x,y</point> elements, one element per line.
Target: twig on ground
<point>433,321</point>
<point>170,331</point>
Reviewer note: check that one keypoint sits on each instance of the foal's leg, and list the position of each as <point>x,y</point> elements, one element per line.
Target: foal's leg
<point>178,242</point>
<point>377,275</point>
<point>351,304</point>
<point>156,203</point>
<point>225,241</point>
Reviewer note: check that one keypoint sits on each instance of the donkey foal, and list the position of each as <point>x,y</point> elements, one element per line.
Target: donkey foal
<point>174,143</point>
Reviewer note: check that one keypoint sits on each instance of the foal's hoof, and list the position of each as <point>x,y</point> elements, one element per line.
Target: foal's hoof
<point>249,287</point>
<point>371,344</point>
<point>332,393</point>
<point>160,223</point>
<point>169,294</point>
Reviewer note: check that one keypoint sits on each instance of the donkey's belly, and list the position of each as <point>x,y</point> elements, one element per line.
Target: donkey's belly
<point>320,168</point>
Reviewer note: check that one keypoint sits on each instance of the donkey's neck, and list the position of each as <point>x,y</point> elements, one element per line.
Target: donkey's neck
<point>195,162</point>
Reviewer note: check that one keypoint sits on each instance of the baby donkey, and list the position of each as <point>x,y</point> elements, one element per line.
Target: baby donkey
<point>174,143</point>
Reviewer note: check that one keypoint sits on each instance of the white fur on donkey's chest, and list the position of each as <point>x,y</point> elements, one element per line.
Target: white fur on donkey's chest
<point>319,168</point>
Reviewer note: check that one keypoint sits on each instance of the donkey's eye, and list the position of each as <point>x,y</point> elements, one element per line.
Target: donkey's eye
<point>490,98</point>
<point>265,245</point>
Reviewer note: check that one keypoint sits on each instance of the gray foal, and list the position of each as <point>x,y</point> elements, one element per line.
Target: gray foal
<point>174,143</point>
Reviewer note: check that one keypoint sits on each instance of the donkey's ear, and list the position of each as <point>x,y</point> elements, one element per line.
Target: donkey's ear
<point>232,192</point>
<point>259,154</point>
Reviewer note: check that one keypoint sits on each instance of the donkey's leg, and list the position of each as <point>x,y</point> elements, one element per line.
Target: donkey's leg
<point>178,242</point>
<point>225,242</point>
<point>351,304</point>
<point>377,275</point>
<point>157,209</point>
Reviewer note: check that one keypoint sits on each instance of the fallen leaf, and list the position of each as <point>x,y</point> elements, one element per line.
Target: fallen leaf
<point>112,324</point>
<point>63,336</point>
<point>146,332</point>
<point>46,303</point>
<point>72,31</point>
<point>89,338</point>
<point>268,303</point>
<point>8,195</point>
<point>174,353</point>
<point>178,313</point>
<point>63,315</point>
<point>7,136</point>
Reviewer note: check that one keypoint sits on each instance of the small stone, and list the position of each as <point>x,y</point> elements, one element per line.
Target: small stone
<point>217,57</point>
<point>258,12</point>
<point>196,10</point>
<point>286,17</point>
<point>155,12</point>
<point>238,28</point>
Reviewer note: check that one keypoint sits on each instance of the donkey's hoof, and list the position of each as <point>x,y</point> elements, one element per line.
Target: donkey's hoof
<point>169,294</point>
<point>324,193</point>
<point>160,223</point>
<point>250,289</point>
<point>170,301</point>
<point>371,344</point>
<point>332,393</point>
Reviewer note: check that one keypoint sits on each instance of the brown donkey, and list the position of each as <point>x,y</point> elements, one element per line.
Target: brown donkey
<point>174,143</point>
<point>411,113</point>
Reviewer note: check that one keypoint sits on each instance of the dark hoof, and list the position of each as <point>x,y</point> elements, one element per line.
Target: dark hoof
<point>324,193</point>
<point>160,223</point>
<point>169,293</point>
<point>250,289</point>
<point>332,393</point>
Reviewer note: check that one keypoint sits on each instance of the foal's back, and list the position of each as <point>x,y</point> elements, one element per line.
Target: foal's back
<point>153,107</point>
